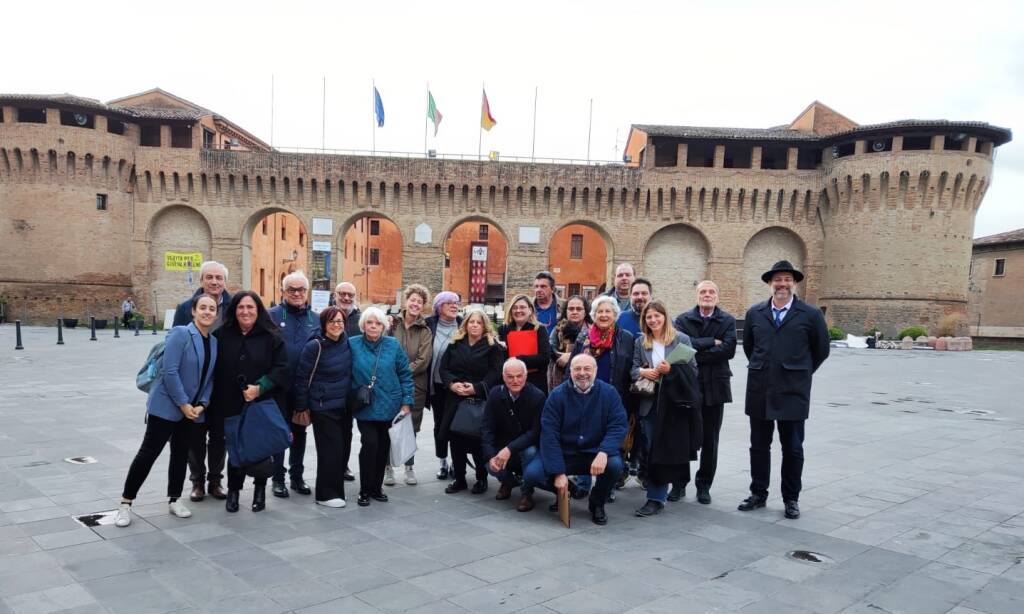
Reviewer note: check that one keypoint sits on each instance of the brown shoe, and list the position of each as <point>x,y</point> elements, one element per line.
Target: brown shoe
<point>525,503</point>
<point>217,492</point>
<point>504,492</point>
<point>197,493</point>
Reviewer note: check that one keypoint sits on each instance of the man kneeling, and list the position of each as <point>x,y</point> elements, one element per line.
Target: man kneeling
<point>510,430</point>
<point>581,432</point>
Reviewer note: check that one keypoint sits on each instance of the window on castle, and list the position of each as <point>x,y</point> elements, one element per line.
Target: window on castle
<point>666,153</point>
<point>32,116</point>
<point>101,202</point>
<point>374,228</point>
<point>955,142</point>
<point>843,149</point>
<point>878,145</point>
<point>115,126</point>
<point>700,155</point>
<point>917,143</point>
<point>374,256</point>
<point>738,156</point>
<point>484,232</point>
<point>576,248</point>
<point>808,158</point>
<point>149,136</point>
<point>1000,267</point>
<point>208,139</point>
<point>181,136</point>
<point>78,120</point>
<point>774,158</point>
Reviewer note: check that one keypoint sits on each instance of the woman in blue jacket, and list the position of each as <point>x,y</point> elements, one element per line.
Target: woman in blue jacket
<point>176,401</point>
<point>322,381</point>
<point>379,360</point>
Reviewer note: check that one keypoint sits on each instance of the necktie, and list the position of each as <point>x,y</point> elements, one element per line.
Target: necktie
<point>778,316</point>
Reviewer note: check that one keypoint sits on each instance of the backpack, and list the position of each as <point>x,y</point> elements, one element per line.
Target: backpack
<point>151,369</point>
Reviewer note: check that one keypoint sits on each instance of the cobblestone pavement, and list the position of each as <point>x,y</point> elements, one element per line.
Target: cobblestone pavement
<point>914,492</point>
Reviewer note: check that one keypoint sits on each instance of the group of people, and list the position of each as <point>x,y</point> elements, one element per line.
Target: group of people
<point>570,396</point>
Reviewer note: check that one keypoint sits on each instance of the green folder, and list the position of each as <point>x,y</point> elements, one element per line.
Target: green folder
<point>682,354</point>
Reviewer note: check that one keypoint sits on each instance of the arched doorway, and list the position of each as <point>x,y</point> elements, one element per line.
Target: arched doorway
<point>675,260</point>
<point>762,251</point>
<point>579,258</point>
<point>178,236</point>
<point>371,259</point>
<point>476,253</point>
<point>278,244</point>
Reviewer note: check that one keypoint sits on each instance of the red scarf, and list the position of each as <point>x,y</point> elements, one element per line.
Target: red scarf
<point>598,341</point>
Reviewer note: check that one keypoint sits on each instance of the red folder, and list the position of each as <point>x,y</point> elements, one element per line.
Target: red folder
<point>522,343</point>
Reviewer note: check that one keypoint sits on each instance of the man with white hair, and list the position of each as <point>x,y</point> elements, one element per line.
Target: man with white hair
<point>582,428</point>
<point>213,280</point>
<point>510,431</point>
<point>345,300</point>
<point>296,321</point>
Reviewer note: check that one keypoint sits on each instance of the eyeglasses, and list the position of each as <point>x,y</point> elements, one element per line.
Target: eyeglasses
<point>337,322</point>
<point>290,290</point>
<point>348,294</point>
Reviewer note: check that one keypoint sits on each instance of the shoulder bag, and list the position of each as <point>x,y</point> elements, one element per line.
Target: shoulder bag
<point>362,397</point>
<point>302,417</point>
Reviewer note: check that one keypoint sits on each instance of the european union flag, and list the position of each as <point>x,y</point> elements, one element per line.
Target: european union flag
<point>378,108</point>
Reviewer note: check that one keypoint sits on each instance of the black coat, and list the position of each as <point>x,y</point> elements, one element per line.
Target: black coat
<point>478,364</point>
<point>512,424</point>
<point>259,355</point>
<point>183,312</point>
<point>678,426</point>
<point>782,360</point>
<point>622,360</point>
<point>434,358</point>
<point>536,364</point>
<point>712,360</point>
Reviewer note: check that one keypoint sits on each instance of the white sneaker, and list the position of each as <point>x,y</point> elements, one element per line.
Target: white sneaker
<point>335,503</point>
<point>124,515</point>
<point>410,476</point>
<point>389,476</point>
<point>178,509</point>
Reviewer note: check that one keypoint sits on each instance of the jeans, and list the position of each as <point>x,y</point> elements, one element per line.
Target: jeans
<point>158,432</point>
<point>576,464</point>
<point>655,492</point>
<point>296,453</point>
<point>514,466</point>
<point>791,436</point>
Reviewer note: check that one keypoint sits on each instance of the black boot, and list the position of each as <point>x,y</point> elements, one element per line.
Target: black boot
<point>259,498</point>
<point>231,503</point>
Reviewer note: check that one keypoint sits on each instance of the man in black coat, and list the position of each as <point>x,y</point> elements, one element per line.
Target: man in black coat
<point>712,333</point>
<point>510,431</point>
<point>785,341</point>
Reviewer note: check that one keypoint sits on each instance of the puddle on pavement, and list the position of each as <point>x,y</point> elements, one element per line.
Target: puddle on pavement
<point>806,556</point>
<point>80,460</point>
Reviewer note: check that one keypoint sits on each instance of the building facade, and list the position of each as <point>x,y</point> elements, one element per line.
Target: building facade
<point>880,217</point>
<point>996,315</point>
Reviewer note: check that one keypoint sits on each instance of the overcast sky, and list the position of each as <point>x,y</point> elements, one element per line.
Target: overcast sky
<point>741,64</point>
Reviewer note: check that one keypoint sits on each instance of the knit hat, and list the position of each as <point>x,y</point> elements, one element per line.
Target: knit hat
<point>444,297</point>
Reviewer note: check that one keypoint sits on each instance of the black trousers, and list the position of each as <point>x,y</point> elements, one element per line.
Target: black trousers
<point>236,478</point>
<point>374,449</point>
<point>158,432</point>
<point>331,452</point>
<point>296,453</point>
<point>462,448</point>
<point>215,450</point>
<point>347,434</point>
<point>791,436</point>
<point>712,417</point>
<point>437,401</point>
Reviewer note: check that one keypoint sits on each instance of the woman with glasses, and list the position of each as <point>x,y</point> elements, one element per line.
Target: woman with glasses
<point>442,324</point>
<point>575,320</point>
<point>527,340</point>
<point>322,382</point>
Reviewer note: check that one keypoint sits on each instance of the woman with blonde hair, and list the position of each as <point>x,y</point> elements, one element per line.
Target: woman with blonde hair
<point>525,339</point>
<point>469,368</point>
<point>670,418</point>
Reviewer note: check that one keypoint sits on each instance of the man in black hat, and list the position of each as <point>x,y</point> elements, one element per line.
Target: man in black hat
<point>785,341</point>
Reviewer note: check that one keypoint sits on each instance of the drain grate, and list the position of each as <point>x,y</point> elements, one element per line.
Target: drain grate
<point>806,556</point>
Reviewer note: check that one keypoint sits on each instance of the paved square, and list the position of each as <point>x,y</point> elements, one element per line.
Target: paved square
<point>913,492</point>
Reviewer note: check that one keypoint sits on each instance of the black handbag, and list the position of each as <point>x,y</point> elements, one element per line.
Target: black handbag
<point>469,416</point>
<point>362,397</point>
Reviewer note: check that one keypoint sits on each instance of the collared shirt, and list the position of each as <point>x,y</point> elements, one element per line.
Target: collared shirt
<point>779,313</point>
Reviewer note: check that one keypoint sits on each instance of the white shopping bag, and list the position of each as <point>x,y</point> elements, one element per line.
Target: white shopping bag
<point>403,439</point>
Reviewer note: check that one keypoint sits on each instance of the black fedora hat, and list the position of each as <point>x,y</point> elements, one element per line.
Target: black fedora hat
<point>782,266</point>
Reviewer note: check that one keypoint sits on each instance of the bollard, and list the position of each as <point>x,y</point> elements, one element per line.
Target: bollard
<point>154,325</point>
<point>92,328</point>
<point>60,331</point>
<point>17,335</point>
<point>116,334</point>
<point>135,325</point>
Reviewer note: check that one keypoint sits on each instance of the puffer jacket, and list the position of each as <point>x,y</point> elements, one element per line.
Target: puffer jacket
<point>393,387</point>
<point>331,376</point>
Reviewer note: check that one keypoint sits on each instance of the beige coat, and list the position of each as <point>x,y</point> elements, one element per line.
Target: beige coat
<point>418,343</point>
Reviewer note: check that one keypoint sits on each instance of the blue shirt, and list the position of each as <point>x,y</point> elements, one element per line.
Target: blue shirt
<point>548,317</point>
<point>629,322</point>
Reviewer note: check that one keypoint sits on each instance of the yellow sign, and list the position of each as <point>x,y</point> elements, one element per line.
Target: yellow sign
<point>179,261</point>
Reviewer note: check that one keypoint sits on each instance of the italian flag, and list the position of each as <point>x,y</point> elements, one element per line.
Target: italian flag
<point>487,120</point>
<point>432,113</point>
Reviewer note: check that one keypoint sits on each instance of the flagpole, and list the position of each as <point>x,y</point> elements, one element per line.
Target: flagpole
<point>323,119</point>
<point>373,97</point>
<point>590,125</point>
<point>271,110</point>
<point>480,135</point>
<point>533,145</point>
<point>425,119</point>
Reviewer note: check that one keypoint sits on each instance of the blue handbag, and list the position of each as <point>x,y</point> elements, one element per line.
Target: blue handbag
<point>259,432</point>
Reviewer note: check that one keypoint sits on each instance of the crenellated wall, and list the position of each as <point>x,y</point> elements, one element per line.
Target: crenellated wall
<point>884,238</point>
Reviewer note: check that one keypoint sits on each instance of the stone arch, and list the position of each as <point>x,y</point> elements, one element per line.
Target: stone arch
<point>593,269</point>
<point>457,241</point>
<point>764,249</point>
<point>269,290</point>
<point>175,228</point>
<point>377,277</point>
<point>675,260</point>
